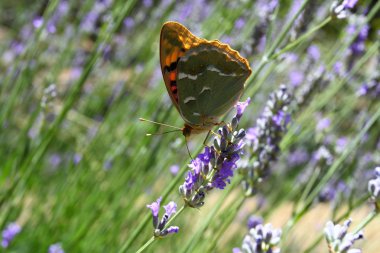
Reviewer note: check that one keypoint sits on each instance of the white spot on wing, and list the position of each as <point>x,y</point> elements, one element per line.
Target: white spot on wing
<point>183,75</point>
<point>204,89</point>
<point>188,99</point>
<point>196,114</point>
<point>212,68</point>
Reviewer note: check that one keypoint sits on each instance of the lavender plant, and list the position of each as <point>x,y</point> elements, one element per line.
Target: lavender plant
<point>76,169</point>
<point>264,140</point>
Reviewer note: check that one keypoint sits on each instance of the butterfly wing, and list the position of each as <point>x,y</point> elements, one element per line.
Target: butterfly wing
<point>210,81</point>
<point>175,40</point>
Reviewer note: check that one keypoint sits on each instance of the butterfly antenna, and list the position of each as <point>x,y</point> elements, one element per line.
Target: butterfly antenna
<point>172,131</point>
<point>161,124</point>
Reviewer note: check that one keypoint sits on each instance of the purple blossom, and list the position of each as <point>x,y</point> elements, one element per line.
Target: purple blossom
<point>38,22</point>
<point>239,23</point>
<point>129,23</point>
<point>262,239</point>
<point>374,188</point>
<point>170,208</point>
<point>241,106</point>
<point>253,221</point>
<point>338,239</point>
<point>338,68</point>
<point>341,144</point>
<point>159,227</point>
<point>296,77</point>
<point>215,166</point>
<point>342,10</point>
<point>9,233</point>
<point>155,207</point>
<point>55,160</point>
<point>174,169</point>
<point>147,3</point>
<point>252,133</point>
<point>56,248</point>
<point>265,139</point>
<point>323,124</point>
<point>173,229</point>
<point>298,157</point>
<point>314,53</point>
<point>349,3</point>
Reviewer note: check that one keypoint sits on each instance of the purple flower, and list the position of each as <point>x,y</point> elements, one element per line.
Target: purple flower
<point>342,10</point>
<point>265,138</point>
<point>55,160</point>
<point>341,144</point>
<point>170,208</point>
<point>147,3</point>
<point>241,106</point>
<point>129,23</point>
<point>349,3</point>
<point>253,221</point>
<point>252,133</point>
<point>296,77</point>
<point>38,21</point>
<point>159,227</point>
<point>215,166</point>
<point>338,68</point>
<point>9,233</point>
<point>323,124</point>
<point>239,23</point>
<point>374,188</point>
<point>56,248</point>
<point>155,207</point>
<point>262,239</point>
<point>174,169</point>
<point>314,53</point>
<point>298,157</point>
<point>173,229</point>
<point>338,239</point>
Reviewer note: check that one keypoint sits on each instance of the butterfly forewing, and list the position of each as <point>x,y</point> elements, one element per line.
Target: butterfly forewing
<point>174,42</point>
<point>210,81</point>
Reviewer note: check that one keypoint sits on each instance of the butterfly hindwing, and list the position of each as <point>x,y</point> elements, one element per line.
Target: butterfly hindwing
<point>210,81</point>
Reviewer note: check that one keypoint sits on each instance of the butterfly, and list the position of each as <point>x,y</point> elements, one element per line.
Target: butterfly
<point>204,79</point>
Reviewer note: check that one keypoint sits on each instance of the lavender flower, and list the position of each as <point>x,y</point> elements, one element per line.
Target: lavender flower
<point>339,241</point>
<point>261,239</point>
<point>303,20</point>
<point>174,169</point>
<point>314,81</point>
<point>216,165</point>
<point>265,138</point>
<point>159,227</point>
<point>323,124</point>
<point>371,88</point>
<point>374,188</point>
<point>266,10</point>
<point>56,248</point>
<point>9,233</point>
<point>254,221</point>
<point>342,9</point>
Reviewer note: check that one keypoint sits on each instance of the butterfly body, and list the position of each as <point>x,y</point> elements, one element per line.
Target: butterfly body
<point>204,78</point>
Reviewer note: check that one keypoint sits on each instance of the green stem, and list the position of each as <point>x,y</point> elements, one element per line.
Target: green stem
<point>148,243</point>
<point>301,39</point>
<point>366,221</point>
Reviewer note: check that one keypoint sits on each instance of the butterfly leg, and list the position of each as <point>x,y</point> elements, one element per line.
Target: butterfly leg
<point>208,135</point>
